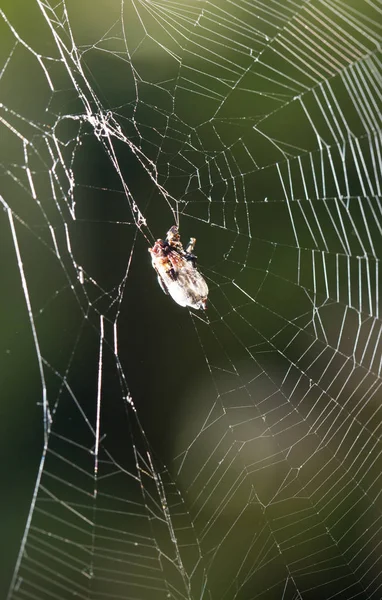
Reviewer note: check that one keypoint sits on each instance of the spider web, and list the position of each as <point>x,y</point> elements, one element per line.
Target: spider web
<point>232,454</point>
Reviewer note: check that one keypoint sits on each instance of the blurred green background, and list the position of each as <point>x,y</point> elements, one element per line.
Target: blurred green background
<point>218,131</point>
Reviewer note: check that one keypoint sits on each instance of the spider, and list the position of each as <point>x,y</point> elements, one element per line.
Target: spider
<point>177,272</point>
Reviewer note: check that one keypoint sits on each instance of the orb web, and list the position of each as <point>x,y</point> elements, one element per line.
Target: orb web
<point>231,454</point>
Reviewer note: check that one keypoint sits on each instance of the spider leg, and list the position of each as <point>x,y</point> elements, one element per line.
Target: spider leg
<point>191,246</point>
<point>191,258</point>
<point>162,284</point>
<point>160,280</point>
<point>171,273</point>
